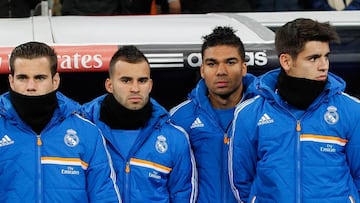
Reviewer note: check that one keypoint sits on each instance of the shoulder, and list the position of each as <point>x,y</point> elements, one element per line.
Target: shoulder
<point>249,104</point>
<point>184,107</point>
<point>350,103</point>
<point>183,113</point>
<point>175,132</point>
<point>82,124</point>
<point>89,109</point>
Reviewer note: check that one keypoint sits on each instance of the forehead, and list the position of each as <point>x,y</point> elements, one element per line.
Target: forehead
<point>35,66</point>
<point>133,70</point>
<point>315,47</point>
<point>221,51</point>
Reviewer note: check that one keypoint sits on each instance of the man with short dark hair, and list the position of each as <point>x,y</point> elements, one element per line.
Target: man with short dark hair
<point>208,113</point>
<point>48,152</point>
<point>299,140</point>
<point>152,157</point>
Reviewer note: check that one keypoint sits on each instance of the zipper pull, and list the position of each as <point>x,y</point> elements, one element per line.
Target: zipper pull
<point>298,126</point>
<point>226,139</point>
<point>127,169</point>
<point>39,142</point>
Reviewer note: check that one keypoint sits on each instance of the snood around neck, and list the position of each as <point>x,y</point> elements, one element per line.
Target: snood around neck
<point>116,116</point>
<point>299,92</point>
<point>36,111</point>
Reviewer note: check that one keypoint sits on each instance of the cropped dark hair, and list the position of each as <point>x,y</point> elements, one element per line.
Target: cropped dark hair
<point>32,50</point>
<point>223,35</point>
<point>127,53</point>
<point>291,37</point>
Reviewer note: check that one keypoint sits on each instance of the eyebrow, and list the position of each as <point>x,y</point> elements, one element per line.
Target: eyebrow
<point>227,59</point>
<point>35,76</point>
<point>131,78</point>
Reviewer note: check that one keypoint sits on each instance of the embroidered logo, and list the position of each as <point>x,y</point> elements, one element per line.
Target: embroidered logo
<point>161,146</point>
<point>265,119</point>
<point>154,174</point>
<point>328,148</point>
<point>331,116</point>
<point>71,139</point>
<point>70,171</point>
<point>6,140</point>
<point>197,123</point>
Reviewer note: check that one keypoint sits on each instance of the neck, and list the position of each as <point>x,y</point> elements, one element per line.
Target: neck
<point>224,102</point>
<point>116,116</point>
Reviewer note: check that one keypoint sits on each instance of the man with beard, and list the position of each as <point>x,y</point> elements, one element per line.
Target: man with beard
<point>208,112</point>
<point>152,157</point>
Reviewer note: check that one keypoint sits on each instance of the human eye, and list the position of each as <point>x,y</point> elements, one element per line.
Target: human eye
<point>231,62</point>
<point>313,58</point>
<point>125,80</point>
<point>143,80</point>
<point>327,56</point>
<point>21,77</point>
<point>40,77</point>
<point>210,64</point>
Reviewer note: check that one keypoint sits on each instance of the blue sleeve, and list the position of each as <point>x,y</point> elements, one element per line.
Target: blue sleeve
<point>182,184</point>
<point>101,178</point>
<point>242,155</point>
<point>353,151</point>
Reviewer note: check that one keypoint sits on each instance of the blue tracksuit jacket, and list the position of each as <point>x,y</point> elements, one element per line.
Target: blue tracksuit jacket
<point>278,154</point>
<point>151,174</point>
<point>209,142</point>
<point>67,162</point>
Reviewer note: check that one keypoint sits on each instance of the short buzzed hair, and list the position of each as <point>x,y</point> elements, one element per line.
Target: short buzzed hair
<point>223,35</point>
<point>128,53</point>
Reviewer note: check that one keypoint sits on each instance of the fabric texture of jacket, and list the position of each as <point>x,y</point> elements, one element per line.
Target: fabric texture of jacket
<point>160,166</point>
<point>209,141</point>
<point>276,156</point>
<point>67,162</point>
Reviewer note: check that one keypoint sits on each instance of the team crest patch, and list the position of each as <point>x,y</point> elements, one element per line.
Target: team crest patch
<point>161,146</point>
<point>331,116</point>
<point>71,139</point>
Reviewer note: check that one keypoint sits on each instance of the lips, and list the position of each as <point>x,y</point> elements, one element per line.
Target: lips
<point>135,99</point>
<point>321,78</point>
<point>221,84</point>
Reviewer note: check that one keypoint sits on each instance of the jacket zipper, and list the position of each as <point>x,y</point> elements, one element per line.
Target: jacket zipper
<point>298,163</point>
<point>224,175</point>
<point>127,174</point>
<point>223,182</point>
<point>39,170</point>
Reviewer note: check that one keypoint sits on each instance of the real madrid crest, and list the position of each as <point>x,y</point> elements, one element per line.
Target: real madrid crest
<point>71,139</point>
<point>161,146</point>
<point>331,116</point>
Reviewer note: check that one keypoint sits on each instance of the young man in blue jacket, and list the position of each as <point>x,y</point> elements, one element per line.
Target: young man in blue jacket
<point>208,112</point>
<point>299,141</point>
<point>48,152</point>
<point>152,157</point>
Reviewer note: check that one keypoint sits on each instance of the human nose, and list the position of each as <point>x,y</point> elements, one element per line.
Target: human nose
<point>221,69</point>
<point>31,85</point>
<point>323,64</point>
<point>135,87</point>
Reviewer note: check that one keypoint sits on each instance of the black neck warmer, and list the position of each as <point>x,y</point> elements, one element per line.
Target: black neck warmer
<point>36,111</point>
<point>299,92</point>
<point>116,116</point>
